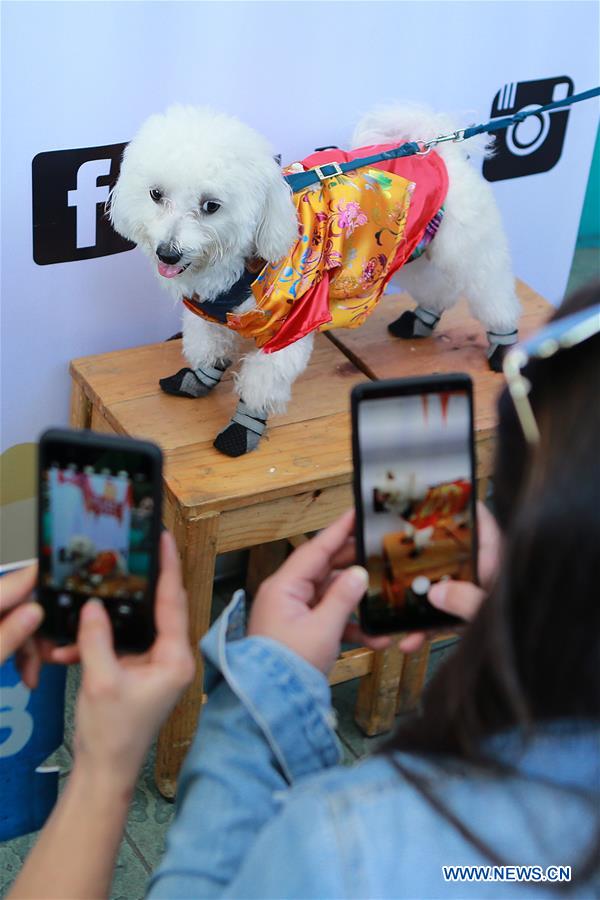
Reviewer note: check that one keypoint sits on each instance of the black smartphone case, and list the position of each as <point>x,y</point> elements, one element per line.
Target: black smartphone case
<point>137,634</point>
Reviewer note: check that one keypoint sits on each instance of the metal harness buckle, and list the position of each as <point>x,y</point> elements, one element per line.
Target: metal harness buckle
<point>318,170</point>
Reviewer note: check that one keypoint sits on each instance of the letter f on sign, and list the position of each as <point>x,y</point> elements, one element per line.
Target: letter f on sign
<point>86,198</point>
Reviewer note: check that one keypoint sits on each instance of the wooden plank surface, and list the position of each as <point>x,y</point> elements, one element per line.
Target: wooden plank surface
<point>300,457</point>
<point>309,447</point>
<point>80,413</point>
<point>458,345</point>
<point>352,664</point>
<point>123,385</point>
<point>272,520</point>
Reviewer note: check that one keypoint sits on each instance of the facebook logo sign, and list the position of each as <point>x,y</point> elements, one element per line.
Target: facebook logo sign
<point>70,190</point>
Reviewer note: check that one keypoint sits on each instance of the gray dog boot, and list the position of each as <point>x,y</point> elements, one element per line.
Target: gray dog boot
<point>416,323</point>
<point>194,382</point>
<point>498,347</point>
<point>243,433</point>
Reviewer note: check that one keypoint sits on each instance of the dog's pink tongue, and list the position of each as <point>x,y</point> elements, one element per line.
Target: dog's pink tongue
<point>169,271</point>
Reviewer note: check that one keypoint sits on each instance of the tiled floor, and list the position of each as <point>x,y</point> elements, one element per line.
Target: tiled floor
<point>150,815</point>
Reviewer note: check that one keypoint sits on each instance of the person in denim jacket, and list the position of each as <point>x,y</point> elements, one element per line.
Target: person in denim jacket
<point>501,767</point>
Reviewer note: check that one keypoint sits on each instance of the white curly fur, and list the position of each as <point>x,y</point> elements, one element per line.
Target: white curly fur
<point>195,154</point>
<point>469,256</point>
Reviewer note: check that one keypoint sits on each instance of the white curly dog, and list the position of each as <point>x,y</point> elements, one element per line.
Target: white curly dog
<point>201,194</point>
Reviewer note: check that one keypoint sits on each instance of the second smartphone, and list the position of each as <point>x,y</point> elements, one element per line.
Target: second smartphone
<point>99,527</point>
<point>414,485</point>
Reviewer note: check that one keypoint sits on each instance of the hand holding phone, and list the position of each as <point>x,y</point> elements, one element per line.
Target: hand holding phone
<point>413,453</point>
<point>20,617</point>
<point>306,604</point>
<point>99,525</point>
<point>124,700</point>
<point>463,598</point>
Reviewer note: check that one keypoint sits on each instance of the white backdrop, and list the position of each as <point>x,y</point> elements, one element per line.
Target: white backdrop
<point>85,75</point>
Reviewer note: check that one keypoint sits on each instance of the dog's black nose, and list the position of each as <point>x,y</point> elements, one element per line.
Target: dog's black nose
<point>167,254</point>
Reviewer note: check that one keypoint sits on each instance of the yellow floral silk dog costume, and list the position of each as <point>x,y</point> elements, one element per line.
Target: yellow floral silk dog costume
<point>355,231</point>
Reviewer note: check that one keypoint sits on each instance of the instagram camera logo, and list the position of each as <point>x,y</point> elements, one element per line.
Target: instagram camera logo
<point>70,189</point>
<point>534,145</point>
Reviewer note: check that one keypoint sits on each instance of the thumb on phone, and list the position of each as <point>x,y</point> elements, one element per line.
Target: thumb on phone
<point>95,643</point>
<point>342,597</point>
<point>459,598</point>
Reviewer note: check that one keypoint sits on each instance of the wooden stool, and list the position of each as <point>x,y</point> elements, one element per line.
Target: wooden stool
<point>297,481</point>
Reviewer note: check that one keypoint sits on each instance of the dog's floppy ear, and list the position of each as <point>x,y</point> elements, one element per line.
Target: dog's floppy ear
<point>278,225</point>
<point>115,210</point>
<point>122,203</point>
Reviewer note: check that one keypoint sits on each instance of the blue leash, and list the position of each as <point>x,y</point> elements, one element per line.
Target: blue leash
<point>300,180</point>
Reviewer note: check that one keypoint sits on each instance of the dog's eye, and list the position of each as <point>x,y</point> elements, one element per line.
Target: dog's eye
<point>156,195</point>
<point>210,206</point>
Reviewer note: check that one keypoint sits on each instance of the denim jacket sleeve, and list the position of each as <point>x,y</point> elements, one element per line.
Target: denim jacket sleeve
<point>266,725</point>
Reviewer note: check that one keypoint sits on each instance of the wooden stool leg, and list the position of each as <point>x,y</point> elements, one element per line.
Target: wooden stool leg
<point>377,693</point>
<point>264,560</point>
<point>413,679</point>
<point>80,415</point>
<point>197,542</point>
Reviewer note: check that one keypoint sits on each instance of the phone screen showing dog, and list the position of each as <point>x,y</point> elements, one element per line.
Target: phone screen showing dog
<point>99,522</point>
<point>97,531</point>
<point>416,494</point>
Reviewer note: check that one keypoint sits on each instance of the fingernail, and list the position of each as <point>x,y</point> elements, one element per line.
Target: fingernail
<point>358,577</point>
<point>92,608</point>
<point>32,614</point>
<point>438,592</point>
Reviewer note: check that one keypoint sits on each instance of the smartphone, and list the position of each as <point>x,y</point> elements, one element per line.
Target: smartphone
<point>414,479</point>
<point>99,522</point>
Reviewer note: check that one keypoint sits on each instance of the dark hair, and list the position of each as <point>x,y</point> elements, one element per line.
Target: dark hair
<point>532,654</point>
